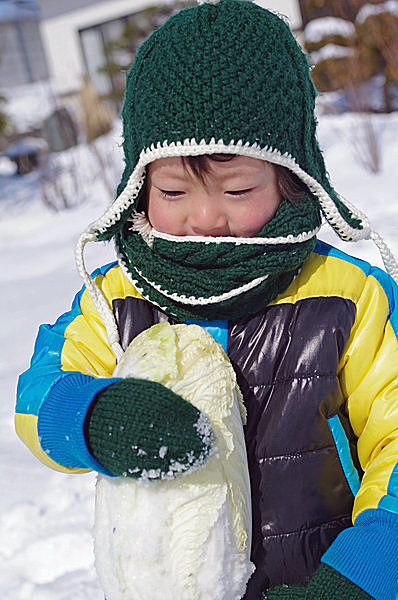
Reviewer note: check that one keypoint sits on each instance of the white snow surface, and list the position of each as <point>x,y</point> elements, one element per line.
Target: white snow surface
<point>28,105</point>
<point>46,517</point>
<point>317,29</point>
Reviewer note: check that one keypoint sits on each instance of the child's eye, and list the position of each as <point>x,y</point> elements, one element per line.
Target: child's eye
<point>239,192</point>
<point>171,193</point>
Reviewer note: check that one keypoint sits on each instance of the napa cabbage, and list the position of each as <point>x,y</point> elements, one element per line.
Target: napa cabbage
<point>187,538</point>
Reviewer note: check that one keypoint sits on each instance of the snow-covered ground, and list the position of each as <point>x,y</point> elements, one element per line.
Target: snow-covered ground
<point>46,517</point>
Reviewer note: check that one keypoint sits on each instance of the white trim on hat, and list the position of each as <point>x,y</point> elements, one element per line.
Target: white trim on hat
<point>190,147</point>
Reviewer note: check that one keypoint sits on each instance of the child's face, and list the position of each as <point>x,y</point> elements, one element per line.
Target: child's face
<point>237,198</point>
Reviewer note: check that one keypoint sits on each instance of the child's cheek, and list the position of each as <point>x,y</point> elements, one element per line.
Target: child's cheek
<point>252,220</point>
<point>164,217</point>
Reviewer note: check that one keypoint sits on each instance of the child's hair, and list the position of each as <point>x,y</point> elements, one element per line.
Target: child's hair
<point>290,186</point>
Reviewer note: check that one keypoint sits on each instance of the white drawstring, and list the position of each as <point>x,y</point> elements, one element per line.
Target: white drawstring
<point>97,296</point>
<point>389,259</point>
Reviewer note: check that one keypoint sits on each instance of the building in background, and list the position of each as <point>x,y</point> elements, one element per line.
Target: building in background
<point>49,49</point>
<point>22,57</point>
<point>75,35</point>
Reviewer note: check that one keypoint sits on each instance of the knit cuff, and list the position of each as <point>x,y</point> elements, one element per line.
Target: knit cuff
<point>367,554</point>
<point>61,420</point>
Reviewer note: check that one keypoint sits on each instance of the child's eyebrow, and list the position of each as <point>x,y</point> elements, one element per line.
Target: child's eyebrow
<point>170,176</point>
<point>173,174</point>
<point>174,170</point>
<point>238,175</point>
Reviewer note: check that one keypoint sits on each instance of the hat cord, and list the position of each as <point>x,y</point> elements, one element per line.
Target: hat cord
<point>389,260</point>
<point>97,296</point>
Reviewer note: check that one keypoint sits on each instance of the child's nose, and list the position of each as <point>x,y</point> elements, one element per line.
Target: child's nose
<point>208,217</point>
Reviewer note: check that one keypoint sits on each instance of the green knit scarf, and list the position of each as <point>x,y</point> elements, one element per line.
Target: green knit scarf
<point>218,278</point>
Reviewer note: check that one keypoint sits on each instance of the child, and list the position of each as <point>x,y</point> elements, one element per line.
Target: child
<point>215,222</point>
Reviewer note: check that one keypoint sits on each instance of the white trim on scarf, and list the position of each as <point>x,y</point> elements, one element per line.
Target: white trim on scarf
<point>200,300</point>
<point>141,225</point>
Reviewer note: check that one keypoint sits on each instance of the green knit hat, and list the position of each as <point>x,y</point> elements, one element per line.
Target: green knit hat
<point>224,76</point>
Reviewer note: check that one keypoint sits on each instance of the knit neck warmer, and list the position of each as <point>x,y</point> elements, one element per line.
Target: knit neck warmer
<point>193,278</point>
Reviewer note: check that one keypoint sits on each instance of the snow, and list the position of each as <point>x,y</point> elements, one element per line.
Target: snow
<point>391,6</point>
<point>46,517</point>
<point>26,145</point>
<point>330,51</point>
<point>317,29</point>
<point>28,105</point>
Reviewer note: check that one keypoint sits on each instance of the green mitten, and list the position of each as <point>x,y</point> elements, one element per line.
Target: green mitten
<point>286,592</point>
<point>141,429</point>
<point>325,584</point>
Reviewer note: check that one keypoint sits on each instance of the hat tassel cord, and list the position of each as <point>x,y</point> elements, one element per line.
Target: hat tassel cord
<point>389,259</point>
<point>97,296</point>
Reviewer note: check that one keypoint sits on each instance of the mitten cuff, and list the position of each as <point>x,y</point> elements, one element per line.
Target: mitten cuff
<point>61,420</point>
<point>366,554</point>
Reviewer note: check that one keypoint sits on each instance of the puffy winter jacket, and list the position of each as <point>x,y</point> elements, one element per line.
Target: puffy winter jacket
<point>318,368</point>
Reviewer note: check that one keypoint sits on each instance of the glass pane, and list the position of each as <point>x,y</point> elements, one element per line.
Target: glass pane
<point>93,49</point>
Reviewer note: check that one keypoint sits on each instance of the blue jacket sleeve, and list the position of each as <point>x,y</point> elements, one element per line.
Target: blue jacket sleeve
<point>366,554</point>
<point>72,362</point>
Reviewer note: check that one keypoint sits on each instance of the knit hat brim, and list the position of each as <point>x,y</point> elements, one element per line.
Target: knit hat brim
<point>347,221</point>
